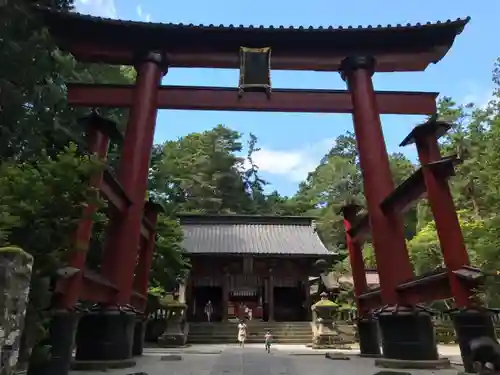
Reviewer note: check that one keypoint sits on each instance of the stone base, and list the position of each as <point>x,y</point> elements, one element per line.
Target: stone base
<point>139,334</point>
<point>102,365</point>
<point>172,341</point>
<point>469,325</point>
<point>407,334</point>
<point>62,329</point>
<point>442,363</point>
<point>369,340</point>
<point>370,355</point>
<point>105,334</point>
<point>154,329</point>
<point>173,337</point>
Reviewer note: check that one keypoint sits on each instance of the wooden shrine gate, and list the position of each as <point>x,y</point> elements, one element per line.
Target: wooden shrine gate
<point>357,53</point>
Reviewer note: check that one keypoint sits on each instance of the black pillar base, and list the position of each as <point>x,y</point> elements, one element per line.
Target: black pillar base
<point>470,324</point>
<point>62,329</point>
<point>369,341</point>
<point>139,334</point>
<point>106,334</point>
<point>407,333</point>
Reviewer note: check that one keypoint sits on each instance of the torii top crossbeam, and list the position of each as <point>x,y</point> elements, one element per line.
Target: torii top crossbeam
<point>395,48</point>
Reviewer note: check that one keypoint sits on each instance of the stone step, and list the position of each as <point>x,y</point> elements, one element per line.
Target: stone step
<point>226,332</point>
<point>250,329</point>
<point>250,334</point>
<point>253,334</point>
<point>254,323</point>
<point>248,341</point>
<point>261,338</point>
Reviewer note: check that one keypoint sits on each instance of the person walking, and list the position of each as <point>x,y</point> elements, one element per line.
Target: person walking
<point>268,337</point>
<point>242,333</point>
<point>209,309</point>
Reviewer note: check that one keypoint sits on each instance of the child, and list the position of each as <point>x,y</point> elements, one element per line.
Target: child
<point>268,338</point>
<point>242,333</point>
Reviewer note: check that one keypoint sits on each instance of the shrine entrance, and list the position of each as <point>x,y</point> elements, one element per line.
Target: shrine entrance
<point>355,53</point>
<point>200,296</point>
<point>289,304</point>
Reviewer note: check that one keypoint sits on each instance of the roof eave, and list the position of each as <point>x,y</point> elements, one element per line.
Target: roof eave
<point>214,52</point>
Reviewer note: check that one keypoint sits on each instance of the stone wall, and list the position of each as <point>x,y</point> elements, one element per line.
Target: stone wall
<point>15,275</point>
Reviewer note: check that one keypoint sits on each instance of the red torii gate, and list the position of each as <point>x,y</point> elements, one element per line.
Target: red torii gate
<point>152,48</point>
<point>458,280</point>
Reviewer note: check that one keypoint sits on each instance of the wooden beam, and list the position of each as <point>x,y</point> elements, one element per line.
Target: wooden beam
<point>323,61</point>
<point>94,288</point>
<point>428,288</point>
<point>405,194</point>
<point>138,301</point>
<point>226,99</point>
<point>113,191</point>
<point>370,300</point>
<point>361,230</point>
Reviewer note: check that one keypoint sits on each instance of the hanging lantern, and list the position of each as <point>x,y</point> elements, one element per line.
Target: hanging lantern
<point>255,70</point>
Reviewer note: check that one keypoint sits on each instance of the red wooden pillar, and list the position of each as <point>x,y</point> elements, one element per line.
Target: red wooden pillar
<point>443,209</point>
<point>355,257</point>
<point>99,131</point>
<point>393,262</point>
<point>141,281</point>
<point>124,240</point>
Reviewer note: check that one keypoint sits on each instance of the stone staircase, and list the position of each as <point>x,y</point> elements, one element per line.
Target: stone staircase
<point>226,332</point>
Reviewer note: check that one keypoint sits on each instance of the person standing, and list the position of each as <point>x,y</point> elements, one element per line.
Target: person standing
<point>268,337</point>
<point>242,333</point>
<point>209,309</point>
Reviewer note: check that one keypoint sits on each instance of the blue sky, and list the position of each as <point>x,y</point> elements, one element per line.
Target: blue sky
<point>293,144</point>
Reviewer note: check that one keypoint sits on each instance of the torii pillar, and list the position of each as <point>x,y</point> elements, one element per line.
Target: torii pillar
<point>64,320</point>
<point>470,320</point>
<point>369,342</point>
<point>405,329</point>
<point>112,324</point>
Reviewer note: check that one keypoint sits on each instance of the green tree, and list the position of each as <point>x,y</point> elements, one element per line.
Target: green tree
<point>42,203</point>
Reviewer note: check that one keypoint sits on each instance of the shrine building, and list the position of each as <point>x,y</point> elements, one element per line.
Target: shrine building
<point>259,262</point>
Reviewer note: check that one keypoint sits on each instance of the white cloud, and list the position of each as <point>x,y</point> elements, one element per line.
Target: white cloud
<point>101,8</point>
<point>140,13</point>
<point>479,95</point>
<point>294,164</point>
<point>480,99</point>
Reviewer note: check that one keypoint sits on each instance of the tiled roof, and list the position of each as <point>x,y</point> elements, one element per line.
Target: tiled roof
<point>410,47</point>
<point>251,235</point>
<point>460,22</point>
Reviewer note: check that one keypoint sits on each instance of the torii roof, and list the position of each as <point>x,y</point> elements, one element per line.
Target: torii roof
<point>396,48</point>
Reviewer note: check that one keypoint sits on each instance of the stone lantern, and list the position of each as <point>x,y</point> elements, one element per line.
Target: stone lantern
<point>174,334</point>
<point>325,332</point>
